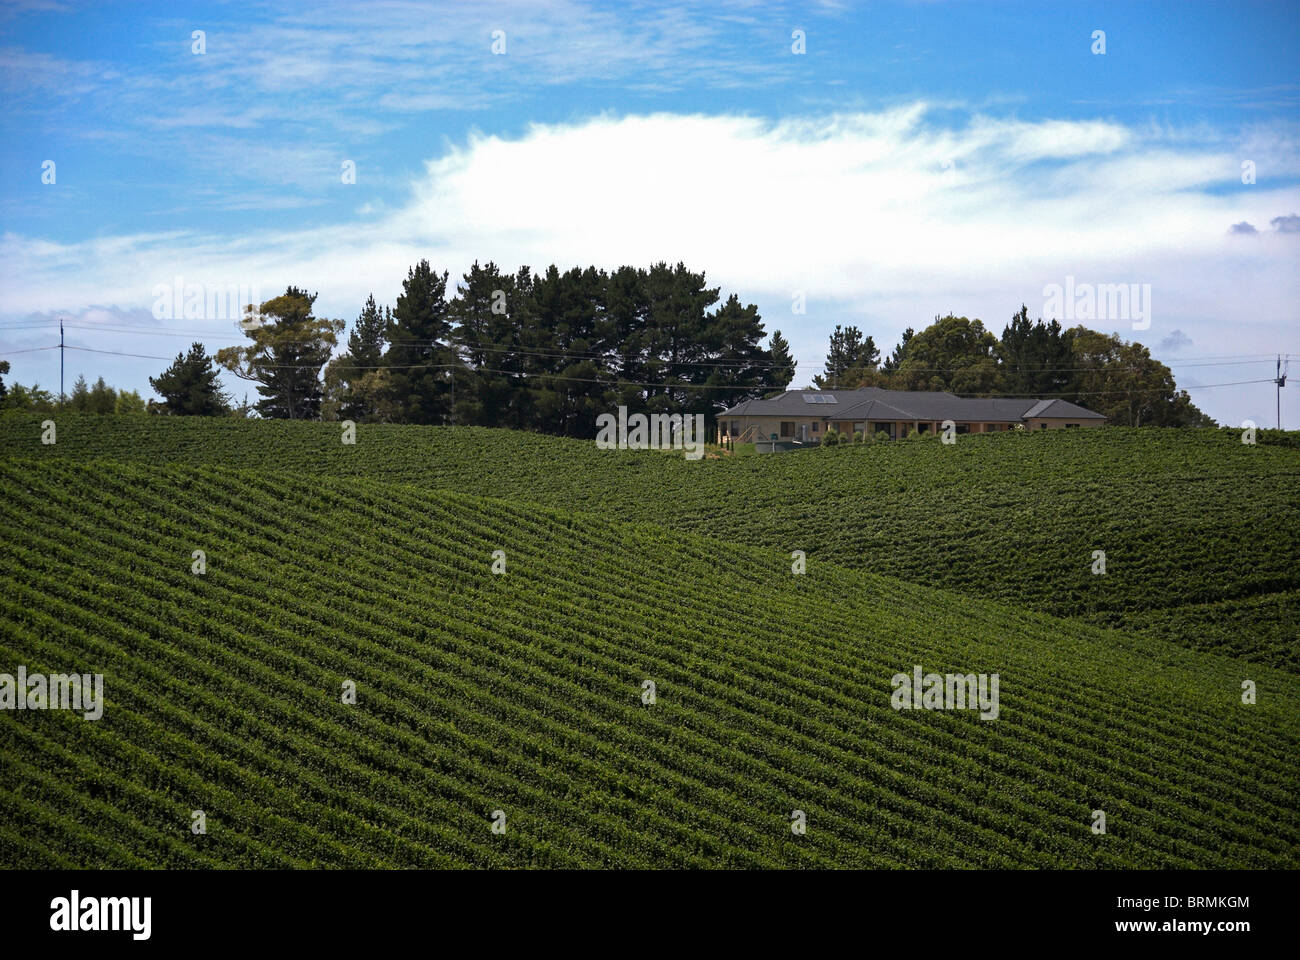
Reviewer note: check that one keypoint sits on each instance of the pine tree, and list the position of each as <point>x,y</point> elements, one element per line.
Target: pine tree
<point>487,345</point>
<point>1035,358</point>
<point>895,360</point>
<point>738,367</point>
<point>79,399</point>
<point>290,346</point>
<point>191,387</point>
<point>420,356</point>
<point>103,398</point>
<point>627,313</point>
<point>366,343</point>
<point>783,362</point>
<point>850,362</point>
<point>357,387</point>
<point>566,350</point>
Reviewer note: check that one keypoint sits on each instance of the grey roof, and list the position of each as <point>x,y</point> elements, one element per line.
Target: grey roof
<point>1062,408</point>
<point>874,403</point>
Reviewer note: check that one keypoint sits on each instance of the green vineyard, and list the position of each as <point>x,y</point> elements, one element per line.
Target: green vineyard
<point>521,696</point>
<point>1199,530</point>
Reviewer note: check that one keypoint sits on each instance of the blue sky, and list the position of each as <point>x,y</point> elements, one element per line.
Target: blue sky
<point>918,158</point>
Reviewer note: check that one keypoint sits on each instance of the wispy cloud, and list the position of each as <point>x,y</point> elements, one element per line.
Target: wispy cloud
<point>860,208</point>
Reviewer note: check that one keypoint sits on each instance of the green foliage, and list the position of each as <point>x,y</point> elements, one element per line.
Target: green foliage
<point>553,351</point>
<point>33,399</point>
<point>522,692</point>
<point>128,402</point>
<point>782,360</point>
<point>98,399</point>
<point>489,339</point>
<point>1187,517</point>
<point>1100,372</point>
<point>895,359</point>
<point>1123,381</point>
<point>289,348</point>
<point>102,399</point>
<point>953,354</point>
<point>850,362</point>
<point>420,359</point>
<point>356,386</point>
<point>1035,358</point>
<point>78,401</point>
<point>191,387</point>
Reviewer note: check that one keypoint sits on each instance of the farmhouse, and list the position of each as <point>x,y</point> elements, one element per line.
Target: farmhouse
<point>805,416</point>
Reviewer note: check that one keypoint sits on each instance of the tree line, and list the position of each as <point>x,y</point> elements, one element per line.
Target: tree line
<point>552,351</point>
<point>1098,371</point>
<point>84,398</point>
<point>547,352</point>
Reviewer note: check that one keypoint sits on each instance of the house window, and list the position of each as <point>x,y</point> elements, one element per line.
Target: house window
<point>787,428</point>
<point>1068,425</point>
<point>816,427</point>
<point>1042,426</point>
<point>963,428</point>
<point>735,427</point>
<point>922,428</point>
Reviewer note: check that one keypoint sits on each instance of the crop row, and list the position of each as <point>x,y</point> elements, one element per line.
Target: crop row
<point>525,687</point>
<point>1187,519</point>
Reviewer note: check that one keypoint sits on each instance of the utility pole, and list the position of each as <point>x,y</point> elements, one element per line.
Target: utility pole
<point>61,396</point>
<point>1280,381</point>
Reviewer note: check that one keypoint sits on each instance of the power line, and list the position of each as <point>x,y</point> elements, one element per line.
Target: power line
<point>726,365</point>
<point>669,385</point>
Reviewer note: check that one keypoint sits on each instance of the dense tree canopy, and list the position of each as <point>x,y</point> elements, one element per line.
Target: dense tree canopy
<point>420,358</point>
<point>356,385</point>
<point>289,347</point>
<point>100,398</point>
<point>190,386</point>
<point>551,351</point>
<point>953,354</point>
<point>1031,359</point>
<point>783,362</point>
<point>851,361</point>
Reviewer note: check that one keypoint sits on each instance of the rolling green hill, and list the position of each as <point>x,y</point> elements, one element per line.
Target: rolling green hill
<point>1199,530</point>
<point>522,692</point>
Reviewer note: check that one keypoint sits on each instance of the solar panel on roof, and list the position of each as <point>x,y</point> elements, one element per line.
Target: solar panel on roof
<point>819,398</point>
